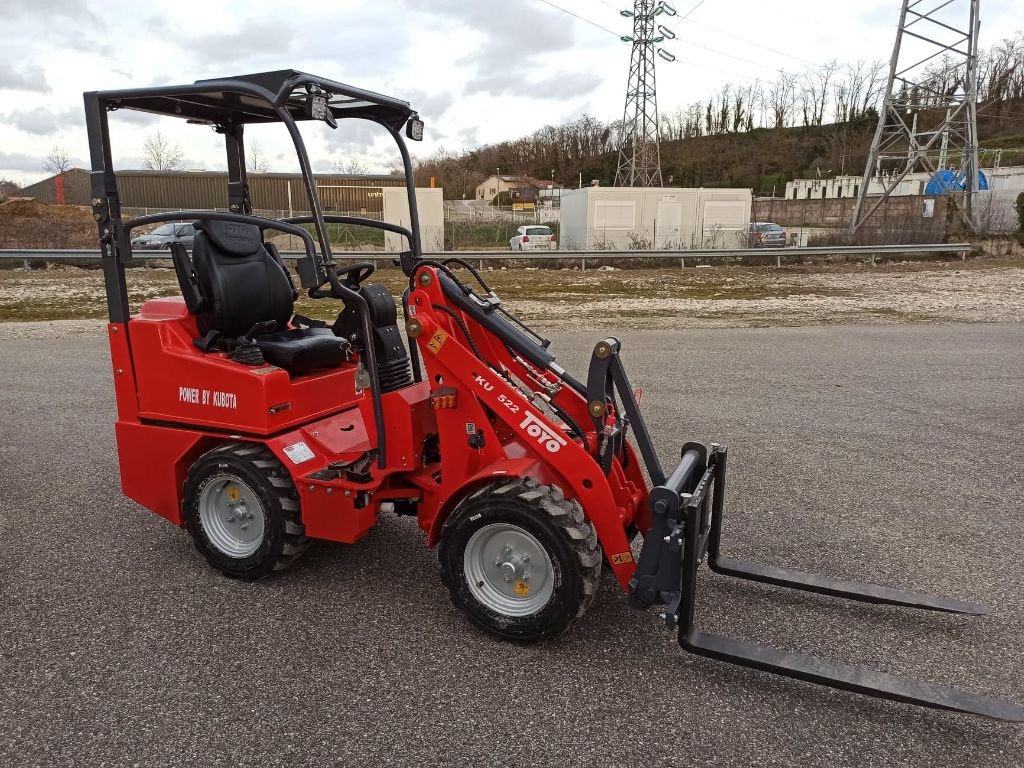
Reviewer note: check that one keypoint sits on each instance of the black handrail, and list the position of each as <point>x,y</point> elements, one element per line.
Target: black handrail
<point>239,218</point>
<point>359,221</point>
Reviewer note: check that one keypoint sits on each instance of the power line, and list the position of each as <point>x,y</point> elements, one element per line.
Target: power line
<point>696,45</point>
<point>750,42</point>
<point>687,15</point>
<point>723,53</point>
<point>581,18</point>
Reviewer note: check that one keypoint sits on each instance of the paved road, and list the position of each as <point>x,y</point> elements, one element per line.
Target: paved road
<point>891,454</point>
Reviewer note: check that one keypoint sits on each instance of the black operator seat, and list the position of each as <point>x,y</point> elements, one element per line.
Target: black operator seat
<point>242,282</point>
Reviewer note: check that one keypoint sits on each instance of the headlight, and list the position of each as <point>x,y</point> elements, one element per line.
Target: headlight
<point>414,129</point>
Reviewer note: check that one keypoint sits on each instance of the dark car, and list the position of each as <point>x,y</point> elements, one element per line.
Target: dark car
<point>766,235</point>
<point>164,235</point>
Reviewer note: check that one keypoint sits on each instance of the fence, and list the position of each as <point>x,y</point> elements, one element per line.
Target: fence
<point>902,219</point>
<point>867,252</point>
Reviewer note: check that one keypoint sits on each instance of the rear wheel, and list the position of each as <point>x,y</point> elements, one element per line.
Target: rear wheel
<point>520,560</point>
<point>242,511</point>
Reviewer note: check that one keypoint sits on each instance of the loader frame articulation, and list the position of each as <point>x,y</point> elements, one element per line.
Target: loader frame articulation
<point>483,423</point>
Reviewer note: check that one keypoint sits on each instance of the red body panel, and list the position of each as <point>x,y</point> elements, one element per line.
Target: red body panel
<point>181,384</point>
<point>175,402</point>
<point>155,461</point>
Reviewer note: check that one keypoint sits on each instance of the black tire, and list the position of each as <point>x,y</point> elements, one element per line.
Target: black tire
<point>256,467</point>
<point>557,524</point>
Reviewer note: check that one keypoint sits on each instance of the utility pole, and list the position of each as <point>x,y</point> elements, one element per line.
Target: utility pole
<point>639,155</point>
<point>907,135</point>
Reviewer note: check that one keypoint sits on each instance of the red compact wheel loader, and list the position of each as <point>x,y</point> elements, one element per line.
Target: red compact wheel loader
<point>257,429</point>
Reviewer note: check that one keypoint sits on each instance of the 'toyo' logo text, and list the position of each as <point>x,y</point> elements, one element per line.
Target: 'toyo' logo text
<point>543,434</point>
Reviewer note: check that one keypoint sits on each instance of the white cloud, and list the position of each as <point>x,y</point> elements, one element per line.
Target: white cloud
<point>45,122</point>
<point>478,71</point>
<point>24,76</point>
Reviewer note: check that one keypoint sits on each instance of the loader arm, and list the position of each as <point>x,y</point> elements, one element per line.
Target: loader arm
<point>510,400</point>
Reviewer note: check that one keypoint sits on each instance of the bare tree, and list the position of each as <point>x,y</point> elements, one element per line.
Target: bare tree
<point>876,81</point>
<point>351,167</point>
<point>722,112</point>
<point>817,81</point>
<point>159,154</point>
<point>780,97</point>
<point>57,161</point>
<point>740,110</point>
<point>256,158</point>
<point>8,188</point>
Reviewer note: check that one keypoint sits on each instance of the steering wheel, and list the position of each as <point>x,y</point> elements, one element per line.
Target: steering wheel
<point>354,274</point>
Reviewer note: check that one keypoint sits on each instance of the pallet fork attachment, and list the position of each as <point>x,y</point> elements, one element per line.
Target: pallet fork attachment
<point>687,526</point>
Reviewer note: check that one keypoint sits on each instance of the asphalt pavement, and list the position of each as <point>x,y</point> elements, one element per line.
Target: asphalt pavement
<point>886,454</point>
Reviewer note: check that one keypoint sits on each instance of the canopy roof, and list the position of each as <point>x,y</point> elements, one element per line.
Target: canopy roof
<point>253,98</point>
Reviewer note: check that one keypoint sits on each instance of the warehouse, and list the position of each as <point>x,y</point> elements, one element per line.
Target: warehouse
<point>627,218</point>
<point>168,190</point>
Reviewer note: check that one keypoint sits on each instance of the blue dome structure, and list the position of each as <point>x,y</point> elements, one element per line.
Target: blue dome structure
<point>949,181</point>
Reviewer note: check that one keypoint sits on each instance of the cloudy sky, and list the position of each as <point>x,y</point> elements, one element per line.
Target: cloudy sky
<point>478,71</point>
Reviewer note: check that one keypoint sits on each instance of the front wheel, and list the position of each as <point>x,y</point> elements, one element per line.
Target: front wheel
<point>520,560</point>
<point>242,510</point>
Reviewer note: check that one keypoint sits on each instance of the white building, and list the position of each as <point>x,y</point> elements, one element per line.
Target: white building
<point>429,207</point>
<point>1006,179</point>
<point>624,218</point>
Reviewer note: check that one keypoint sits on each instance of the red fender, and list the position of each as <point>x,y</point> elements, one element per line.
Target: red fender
<point>499,469</point>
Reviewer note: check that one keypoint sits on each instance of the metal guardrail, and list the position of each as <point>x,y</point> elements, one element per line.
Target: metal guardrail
<point>866,251</point>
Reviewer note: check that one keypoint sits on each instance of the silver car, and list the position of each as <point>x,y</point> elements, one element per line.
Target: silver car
<point>766,235</point>
<point>163,236</point>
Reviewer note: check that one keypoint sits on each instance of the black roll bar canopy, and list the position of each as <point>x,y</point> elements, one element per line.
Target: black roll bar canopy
<point>256,98</point>
<point>228,105</point>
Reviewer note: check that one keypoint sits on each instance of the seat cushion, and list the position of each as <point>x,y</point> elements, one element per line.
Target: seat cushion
<point>301,350</point>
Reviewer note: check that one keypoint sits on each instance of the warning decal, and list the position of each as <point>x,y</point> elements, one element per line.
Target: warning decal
<point>437,341</point>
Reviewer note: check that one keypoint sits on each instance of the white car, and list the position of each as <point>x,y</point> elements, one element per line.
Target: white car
<point>533,238</point>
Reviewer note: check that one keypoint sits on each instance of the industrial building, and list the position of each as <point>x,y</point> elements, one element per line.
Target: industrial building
<point>167,190</point>
<point>275,195</point>
<point>993,205</point>
<point>1005,179</point>
<point>626,218</point>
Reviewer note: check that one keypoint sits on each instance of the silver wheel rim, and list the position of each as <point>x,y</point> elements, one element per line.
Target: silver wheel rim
<point>232,516</point>
<point>508,570</point>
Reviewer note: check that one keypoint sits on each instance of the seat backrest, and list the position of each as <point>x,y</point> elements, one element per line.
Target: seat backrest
<point>240,281</point>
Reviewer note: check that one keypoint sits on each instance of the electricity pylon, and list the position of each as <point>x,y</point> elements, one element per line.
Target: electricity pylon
<point>639,155</point>
<point>928,121</point>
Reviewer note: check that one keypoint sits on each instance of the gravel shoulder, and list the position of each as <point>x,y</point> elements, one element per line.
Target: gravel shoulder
<point>980,290</point>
